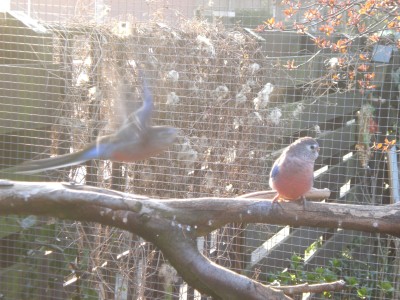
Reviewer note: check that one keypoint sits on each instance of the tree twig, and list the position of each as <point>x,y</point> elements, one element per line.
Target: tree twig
<point>312,288</point>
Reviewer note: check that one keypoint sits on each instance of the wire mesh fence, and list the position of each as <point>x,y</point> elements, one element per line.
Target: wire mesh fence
<point>239,94</point>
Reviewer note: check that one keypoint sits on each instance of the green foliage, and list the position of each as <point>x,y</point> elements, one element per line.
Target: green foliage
<point>386,287</point>
<point>362,280</point>
<point>363,292</point>
<point>313,247</point>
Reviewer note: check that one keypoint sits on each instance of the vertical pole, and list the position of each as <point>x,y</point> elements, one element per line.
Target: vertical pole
<point>393,175</point>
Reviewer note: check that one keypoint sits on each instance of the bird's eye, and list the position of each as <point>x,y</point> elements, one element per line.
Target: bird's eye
<point>312,147</point>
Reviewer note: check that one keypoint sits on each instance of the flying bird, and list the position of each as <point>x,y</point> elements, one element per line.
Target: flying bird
<point>292,174</point>
<point>135,140</point>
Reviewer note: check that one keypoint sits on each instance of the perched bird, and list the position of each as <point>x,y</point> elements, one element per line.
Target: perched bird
<point>135,140</point>
<point>292,173</point>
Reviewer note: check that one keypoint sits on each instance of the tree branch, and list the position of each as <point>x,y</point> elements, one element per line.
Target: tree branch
<point>312,288</point>
<point>173,225</point>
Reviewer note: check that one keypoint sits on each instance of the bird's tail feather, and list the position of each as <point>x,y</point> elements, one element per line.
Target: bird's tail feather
<point>36,166</point>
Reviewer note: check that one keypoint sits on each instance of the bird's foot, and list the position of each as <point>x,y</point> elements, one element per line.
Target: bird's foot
<point>303,202</point>
<point>277,200</point>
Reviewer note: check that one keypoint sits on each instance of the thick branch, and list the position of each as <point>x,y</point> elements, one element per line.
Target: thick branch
<point>200,215</point>
<point>174,224</point>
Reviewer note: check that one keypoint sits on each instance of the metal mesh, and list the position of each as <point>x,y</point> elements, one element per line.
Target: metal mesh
<point>238,100</point>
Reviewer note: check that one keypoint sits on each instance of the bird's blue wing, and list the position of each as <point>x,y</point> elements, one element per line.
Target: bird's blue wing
<point>275,171</point>
<point>98,150</point>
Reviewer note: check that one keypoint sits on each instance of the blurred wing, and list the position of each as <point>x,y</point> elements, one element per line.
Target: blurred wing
<point>143,114</point>
<point>136,119</point>
<point>125,103</point>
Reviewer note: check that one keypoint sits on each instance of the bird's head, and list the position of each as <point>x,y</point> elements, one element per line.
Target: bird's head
<point>307,148</point>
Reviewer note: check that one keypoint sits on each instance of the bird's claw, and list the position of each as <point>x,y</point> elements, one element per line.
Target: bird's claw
<point>276,200</point>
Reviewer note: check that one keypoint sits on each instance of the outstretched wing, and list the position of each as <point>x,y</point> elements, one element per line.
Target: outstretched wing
<point>142,116</point>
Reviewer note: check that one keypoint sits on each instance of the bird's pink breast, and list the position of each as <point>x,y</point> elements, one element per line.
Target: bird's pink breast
<point>136,153</point>
<point>130,156</point>
<point>292,183</point>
